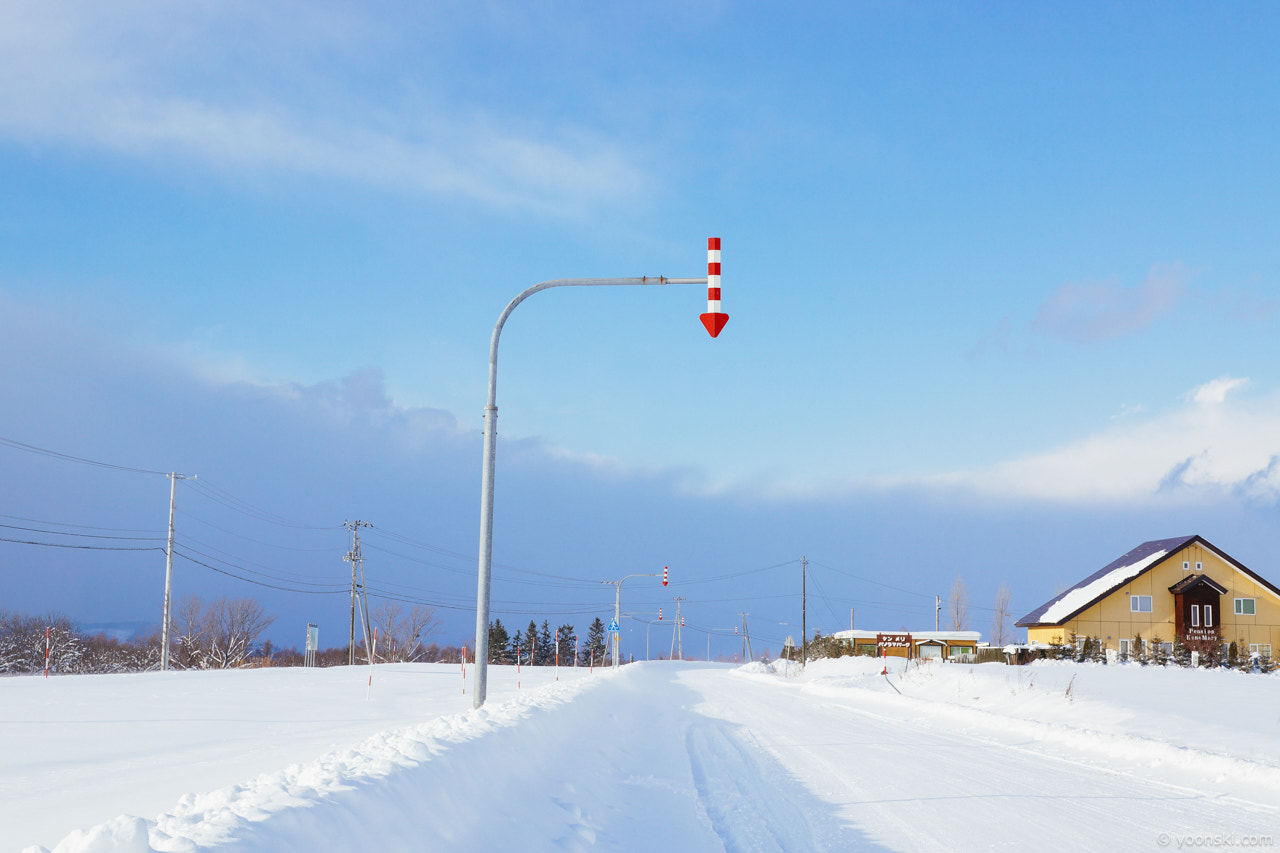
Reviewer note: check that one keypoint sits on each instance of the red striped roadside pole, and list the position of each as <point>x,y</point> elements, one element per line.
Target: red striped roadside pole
<point>46,651</point>
<point>714,320</point>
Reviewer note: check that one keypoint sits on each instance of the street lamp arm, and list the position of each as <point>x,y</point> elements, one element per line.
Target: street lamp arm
<point>563,282</point>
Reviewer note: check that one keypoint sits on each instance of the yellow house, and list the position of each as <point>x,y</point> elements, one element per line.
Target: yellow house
<point>1184,587</point>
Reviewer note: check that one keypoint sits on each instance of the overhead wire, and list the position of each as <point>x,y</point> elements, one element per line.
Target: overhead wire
<point>67,457</point>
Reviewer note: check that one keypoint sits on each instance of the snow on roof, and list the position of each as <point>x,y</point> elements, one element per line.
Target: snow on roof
<point>1097,585</point>
<point>1077,598</point>
<point>958,636</point>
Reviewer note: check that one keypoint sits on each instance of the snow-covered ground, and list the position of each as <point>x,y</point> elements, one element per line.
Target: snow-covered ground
<point>656,756</point>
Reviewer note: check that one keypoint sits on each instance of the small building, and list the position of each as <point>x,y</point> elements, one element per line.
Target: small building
<point>944,645</point>
<point>1169,588</point>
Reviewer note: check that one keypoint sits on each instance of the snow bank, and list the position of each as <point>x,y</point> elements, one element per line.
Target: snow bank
<point>366,788</point>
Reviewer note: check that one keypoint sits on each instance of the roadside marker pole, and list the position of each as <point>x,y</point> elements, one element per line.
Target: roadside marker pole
<point>464,670</point>
<point>557,654</point>
<point>46,651</point>
<point>373,650</point>
<point>517,667</point>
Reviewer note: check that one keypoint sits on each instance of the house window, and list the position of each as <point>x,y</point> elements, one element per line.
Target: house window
<point>961,650</point>
<point>1208,615</point>
<point>1260,649</point>
<point>1195,616</point>
<point>1140,603</point>
<point>1186,566</point>
<point>1124,648</point>
<point>1246,607</point>
<point>1199,566</point>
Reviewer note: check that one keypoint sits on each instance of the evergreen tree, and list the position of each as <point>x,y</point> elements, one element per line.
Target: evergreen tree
<point>498,642</point>
<point>530,643</point>
<point>594,645</point>
<point>567,637</point>
<point>546,655</point>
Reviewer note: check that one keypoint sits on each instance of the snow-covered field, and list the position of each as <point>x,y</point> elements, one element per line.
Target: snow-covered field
<point>657,756</point>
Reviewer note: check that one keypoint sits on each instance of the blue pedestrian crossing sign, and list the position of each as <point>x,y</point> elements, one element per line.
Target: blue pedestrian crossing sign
<point>613,626</point>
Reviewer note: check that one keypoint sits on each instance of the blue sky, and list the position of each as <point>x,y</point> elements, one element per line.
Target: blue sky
<point>1002,279</point>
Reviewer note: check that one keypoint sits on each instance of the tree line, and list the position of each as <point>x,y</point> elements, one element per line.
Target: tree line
<point>538,646</point>
<point>221,634</point>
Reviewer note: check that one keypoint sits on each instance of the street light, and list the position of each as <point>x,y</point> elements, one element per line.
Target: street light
<point>617,614</point>
<point>648,623</point>
<point>714,321</point>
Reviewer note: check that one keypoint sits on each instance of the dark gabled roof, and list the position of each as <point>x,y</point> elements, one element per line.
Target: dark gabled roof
<point>1137,555</point>
<point>1193,581</point>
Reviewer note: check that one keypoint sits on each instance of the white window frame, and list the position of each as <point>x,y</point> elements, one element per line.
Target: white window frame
<point>1252,604</point>
<point>1195,616</point>
<point>1136,602</point>
<point>1208,615</point>
<point>1262,649</point>
<point>1186,565</point>
<point>1124,647</point>
<point>1199,566</point>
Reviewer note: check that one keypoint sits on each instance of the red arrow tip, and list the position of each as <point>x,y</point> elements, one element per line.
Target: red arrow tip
<point>714,322</point>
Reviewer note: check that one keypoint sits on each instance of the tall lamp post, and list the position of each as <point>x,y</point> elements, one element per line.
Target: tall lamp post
<point>714,320</point>
<point>616,641</point>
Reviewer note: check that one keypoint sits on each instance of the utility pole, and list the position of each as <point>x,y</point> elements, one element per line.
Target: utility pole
<point>616,640</point>
<point>356,560</point>
<point>804,607</point>
<point>937,611</point>
<point>746,638</point>
<point>168,570</point>
<point>677,634</point>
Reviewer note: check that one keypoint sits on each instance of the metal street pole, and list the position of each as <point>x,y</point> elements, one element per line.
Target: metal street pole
<point>616,642</point>
<point>648,623</point>
<point>168,569</point>
<point>714,320</point>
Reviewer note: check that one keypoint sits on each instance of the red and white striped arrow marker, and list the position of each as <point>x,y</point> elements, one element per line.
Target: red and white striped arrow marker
<point>659,614</point>
<point>714,319</point>
<point>664,575</point>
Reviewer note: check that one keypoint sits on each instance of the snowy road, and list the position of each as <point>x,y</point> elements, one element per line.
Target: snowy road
<point>701,757</point>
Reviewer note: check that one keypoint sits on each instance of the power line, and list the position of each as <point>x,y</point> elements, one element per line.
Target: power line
<point>66,457</point>
<point>79,547</point>
<point>84,535</point>
<point>80,526</point>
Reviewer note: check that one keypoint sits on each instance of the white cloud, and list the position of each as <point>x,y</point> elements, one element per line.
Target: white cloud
<point>1210,445</point>
<point>238,88</point>
<point>1215,393</point>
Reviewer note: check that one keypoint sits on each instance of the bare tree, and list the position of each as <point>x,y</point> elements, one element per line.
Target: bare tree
<point>958,605</point>
<point>221,635</point>
<point>401,634</point>
<point>1000,628</point>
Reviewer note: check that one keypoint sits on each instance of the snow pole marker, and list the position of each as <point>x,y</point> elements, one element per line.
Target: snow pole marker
<point>517,667</point>
<point>373,650</point>
<point>714,320</point>
<point>557,654</point>
<point>46,651</point>
<point>464,670</point>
